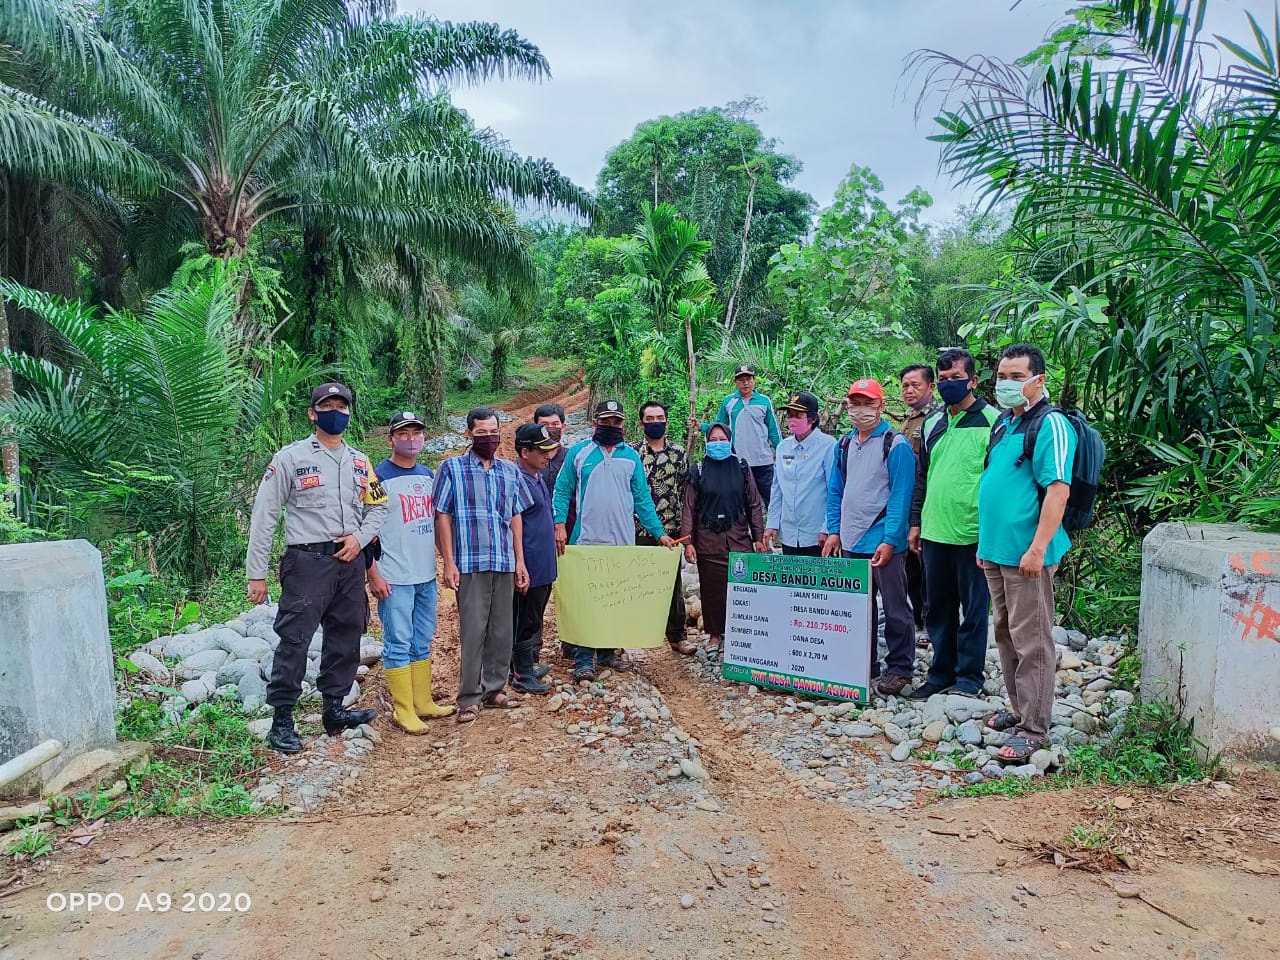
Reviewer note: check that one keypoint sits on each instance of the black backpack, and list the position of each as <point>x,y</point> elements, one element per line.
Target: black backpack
<point>1086,468</point>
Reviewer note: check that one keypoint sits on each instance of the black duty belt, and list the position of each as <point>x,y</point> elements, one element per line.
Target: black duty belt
<point>325,548</point>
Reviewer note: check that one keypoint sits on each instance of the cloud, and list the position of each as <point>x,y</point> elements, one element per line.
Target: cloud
<point>829,72</point>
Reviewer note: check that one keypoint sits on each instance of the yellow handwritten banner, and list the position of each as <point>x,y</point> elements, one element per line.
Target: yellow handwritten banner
<point>614,596</point>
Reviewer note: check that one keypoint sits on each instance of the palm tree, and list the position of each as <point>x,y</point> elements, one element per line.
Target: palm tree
<point>153,416</point>
<point>224,114</point>
<point>1147,223</point>
<point>492,323</point>
<point>663,264</point>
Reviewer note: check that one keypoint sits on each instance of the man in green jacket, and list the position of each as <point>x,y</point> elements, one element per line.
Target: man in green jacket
<point>944,529</point>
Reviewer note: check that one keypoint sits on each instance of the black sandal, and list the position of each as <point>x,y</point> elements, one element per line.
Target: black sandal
<point>1002,721</point>
<point>1023,747</point>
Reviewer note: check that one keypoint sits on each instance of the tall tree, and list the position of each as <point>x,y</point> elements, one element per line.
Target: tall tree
<point>719,171</point>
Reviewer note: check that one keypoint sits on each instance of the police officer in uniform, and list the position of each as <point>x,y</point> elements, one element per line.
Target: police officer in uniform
<point>333,506</point>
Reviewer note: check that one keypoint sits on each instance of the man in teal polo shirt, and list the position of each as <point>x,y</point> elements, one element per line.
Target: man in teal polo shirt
<point>1021,542</point>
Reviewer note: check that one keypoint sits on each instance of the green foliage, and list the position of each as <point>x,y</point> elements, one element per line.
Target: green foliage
<point>156,422</point>
<point>33,843</point>
<point>1154,746</point>
<point>493,325</point>
<point>712,165</point>
<point>847,292</point>
<point>12,528</point>
<point>200,767</point>
<point>141,605</point>
<point>1146,215</point>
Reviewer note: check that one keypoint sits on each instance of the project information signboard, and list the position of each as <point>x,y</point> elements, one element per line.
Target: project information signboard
<point>799,623</point>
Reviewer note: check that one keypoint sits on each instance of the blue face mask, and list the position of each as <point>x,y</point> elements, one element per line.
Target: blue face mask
<point>719,449</point>
<point>332,422</point>
<point>953,391</point>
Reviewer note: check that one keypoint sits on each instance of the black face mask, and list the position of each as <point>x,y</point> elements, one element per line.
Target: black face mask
<point>655,431</point>
<point>607,436</point>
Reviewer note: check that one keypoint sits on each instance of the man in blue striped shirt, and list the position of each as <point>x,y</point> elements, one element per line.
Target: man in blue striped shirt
<point>478,501</point>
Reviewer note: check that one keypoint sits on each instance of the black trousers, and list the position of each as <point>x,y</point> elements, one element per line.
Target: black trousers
<point>527,613</point>
<point>916,587</point>
<point>317,591</point>
<point>814,551</point>
<point>764,483</point>
<point>676,612</point>
<point>958,603</point>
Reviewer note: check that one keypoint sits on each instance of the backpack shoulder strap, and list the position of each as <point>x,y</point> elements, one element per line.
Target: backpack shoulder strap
<point>998,430</point>
<point>1030,426</point>
<point>746,471</point>
<point>842,456</point>
<point>890,436</point>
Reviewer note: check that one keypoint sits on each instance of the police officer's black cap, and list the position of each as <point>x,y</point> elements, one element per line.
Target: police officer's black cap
<point>744,370</point>
<point>327,390</point>
<point>609,408</point>
<point>802,403</point>
<point>406,418</point>
<point>535,436</point>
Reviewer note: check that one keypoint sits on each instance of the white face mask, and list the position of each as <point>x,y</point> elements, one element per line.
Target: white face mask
<point>1009,393</point>
<point>864,418</point>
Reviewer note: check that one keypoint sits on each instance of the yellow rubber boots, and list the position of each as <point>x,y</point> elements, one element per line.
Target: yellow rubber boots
<point>422,702</point>
<point>400,686</point>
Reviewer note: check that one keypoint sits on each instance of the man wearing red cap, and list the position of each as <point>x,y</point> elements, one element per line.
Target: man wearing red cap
<point>868,506</point>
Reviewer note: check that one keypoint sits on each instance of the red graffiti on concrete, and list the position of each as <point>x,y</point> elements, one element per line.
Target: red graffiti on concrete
<point>1261,562</point>
<point>1259,620</point>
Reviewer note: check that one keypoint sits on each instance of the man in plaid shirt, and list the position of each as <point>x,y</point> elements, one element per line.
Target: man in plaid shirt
<point>478,501</point>
<point>666,466</point>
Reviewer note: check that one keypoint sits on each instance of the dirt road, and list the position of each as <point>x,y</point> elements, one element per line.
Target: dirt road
<point>510,838</point>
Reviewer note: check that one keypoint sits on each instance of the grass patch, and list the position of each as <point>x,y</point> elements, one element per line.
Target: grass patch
<point>33,842</point>
<point>1153,747</point>
<point>200,767</point>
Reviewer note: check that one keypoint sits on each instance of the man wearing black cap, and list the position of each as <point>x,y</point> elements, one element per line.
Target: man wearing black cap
<point>404,578</point>
<point>797,507</point>
<point>605,479</point>
<point>334,505</point>
<point>534,447</point>
<point>753,425</point>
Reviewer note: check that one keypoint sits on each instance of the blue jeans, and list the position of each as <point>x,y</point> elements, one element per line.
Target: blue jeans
<point>588,658</point>
<point>956,584</point>
<point>408,623</point>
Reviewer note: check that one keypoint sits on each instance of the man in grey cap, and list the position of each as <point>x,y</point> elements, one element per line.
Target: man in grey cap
<point>753,424</point>
<point>333,507</point>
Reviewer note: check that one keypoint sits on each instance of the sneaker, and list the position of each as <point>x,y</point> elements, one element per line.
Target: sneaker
<point>963,691</point>
<point>926,690</point>
<point>889,686</point>
<point>530,684</point>
<point>583,673</point>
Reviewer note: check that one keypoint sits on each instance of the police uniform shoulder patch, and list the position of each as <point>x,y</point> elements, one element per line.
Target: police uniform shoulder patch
<point>271,472</point>
<point>373,494</point>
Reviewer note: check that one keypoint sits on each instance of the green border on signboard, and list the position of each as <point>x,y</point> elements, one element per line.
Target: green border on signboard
<point>836,574</point>
<point>832,574</point>
<point>776,680</point>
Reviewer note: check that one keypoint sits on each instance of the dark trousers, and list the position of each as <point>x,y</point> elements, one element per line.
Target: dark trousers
<point>764,482</point>
<point>957,614</point>
<point>890,589</point>
<point>527,612</point>
<point>318,591</point>
<point>814,551</point>
<point>676,613</point>
<point>916,579</point>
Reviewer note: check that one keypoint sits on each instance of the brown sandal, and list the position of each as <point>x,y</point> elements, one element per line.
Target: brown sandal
<point>502,701</point>
<point>684,647</point>
<point>1002,721</point>
<point>468,714</point>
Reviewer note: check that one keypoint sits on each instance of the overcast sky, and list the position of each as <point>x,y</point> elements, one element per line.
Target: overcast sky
<point>830,73</point>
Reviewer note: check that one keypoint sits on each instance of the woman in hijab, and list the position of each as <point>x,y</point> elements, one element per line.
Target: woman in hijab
<point>722,513</point>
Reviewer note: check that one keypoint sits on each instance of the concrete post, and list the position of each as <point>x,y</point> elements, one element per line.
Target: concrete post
<point>56,664</point>
<point>1209,632</point>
